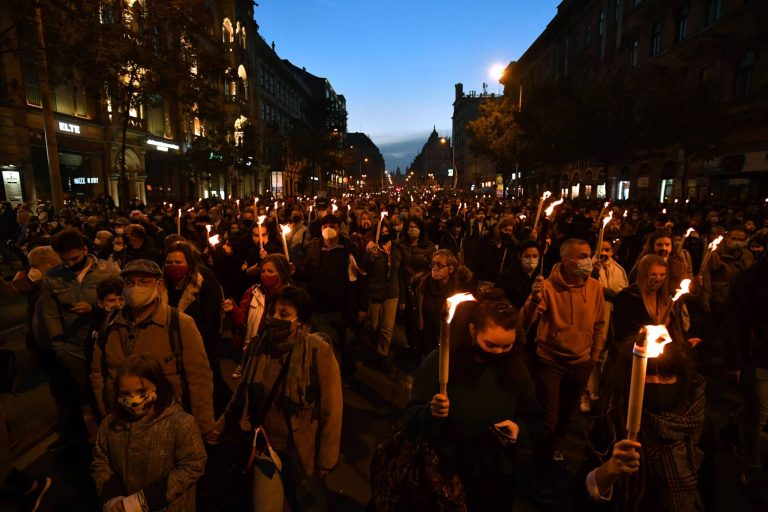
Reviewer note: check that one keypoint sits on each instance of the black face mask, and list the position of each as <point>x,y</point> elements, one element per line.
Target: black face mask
<point>491,359</point>
<point>662,397</point>
<point>79,266</point>
<point>278,329</point>
<point>296,219</point>
<point>247,223</point>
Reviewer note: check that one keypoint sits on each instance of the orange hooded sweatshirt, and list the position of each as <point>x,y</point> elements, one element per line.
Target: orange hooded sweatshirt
<point>571,326</point>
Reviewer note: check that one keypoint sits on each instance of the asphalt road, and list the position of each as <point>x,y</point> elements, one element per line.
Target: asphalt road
<point>372,410</point>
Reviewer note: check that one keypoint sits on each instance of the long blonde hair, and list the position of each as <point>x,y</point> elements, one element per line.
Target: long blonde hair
<point>662,294</point>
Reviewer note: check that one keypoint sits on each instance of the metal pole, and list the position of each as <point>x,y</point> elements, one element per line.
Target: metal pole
<point>49,127</point>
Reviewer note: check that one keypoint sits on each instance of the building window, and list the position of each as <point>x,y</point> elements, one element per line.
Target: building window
<point>616,10</point>
<point>744,75</point>
<point>714,11</point>
<point>601,23</point>
<point>656,39</point>
<point>681,24</point>
<point>587,34</point>
<point>633,53</point>
<point>227,34</point>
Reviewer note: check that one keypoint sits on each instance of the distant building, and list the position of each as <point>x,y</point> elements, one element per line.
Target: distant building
<point>473,170</point>
<point>718,42</point>
<point>364,163</point>
<point>431,166</point>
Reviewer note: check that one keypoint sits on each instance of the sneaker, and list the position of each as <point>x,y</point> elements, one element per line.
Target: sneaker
<point>32,500</point>
<point>238,372</point>
<point>585,402</point>
<point>62,443</point>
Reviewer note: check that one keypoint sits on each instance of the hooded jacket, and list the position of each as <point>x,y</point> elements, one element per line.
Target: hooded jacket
<point>571,326</point>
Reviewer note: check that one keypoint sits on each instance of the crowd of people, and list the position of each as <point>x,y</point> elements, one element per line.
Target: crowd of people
<point>132,310</point>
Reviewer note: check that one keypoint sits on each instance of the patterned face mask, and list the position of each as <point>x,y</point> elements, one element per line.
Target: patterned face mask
<point>138,404</point>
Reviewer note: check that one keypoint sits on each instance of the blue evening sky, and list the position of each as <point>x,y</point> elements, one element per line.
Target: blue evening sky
<point>396,61</point>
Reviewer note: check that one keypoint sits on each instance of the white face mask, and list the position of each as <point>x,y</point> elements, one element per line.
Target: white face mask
<point>330,233</point>
<point>529,263</point>
<point>139,296</point>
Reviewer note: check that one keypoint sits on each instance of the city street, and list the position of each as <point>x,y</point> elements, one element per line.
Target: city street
<point>371,411</point>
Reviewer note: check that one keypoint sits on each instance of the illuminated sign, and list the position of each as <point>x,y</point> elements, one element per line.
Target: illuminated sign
<point>69,128</point>
<point>162,145</point>
<point>85,181</point>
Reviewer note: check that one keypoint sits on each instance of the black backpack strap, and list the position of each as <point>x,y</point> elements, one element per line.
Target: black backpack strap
<point>177,349</point>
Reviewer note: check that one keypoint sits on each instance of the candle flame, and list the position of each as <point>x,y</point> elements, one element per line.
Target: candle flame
<point>546,195</point>
<point>688,233</point>
<point>625,213</point>
<point>286,229</point>
<point>383,214</point>
<point>684,287</point>
<point>261,219</point>
<point>208,228</point>
<point>606,204</point>
<point>214,240</point>
<point>715,243</point>
<point>664,211</point>
<point>608,219</point>
<point>656,336</point>
<point>551,208</point>
<point>455,300</point>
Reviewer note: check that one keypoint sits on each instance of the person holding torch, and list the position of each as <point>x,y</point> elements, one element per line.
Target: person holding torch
<point>489,406</point>
<point>569,340</point>
<point>645,452</point>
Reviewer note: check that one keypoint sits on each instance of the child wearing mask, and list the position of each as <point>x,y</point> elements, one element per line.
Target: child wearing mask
<point>148,453</point>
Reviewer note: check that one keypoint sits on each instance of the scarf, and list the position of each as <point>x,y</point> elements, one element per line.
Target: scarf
<point>670,456</point>
<point>299,388</point>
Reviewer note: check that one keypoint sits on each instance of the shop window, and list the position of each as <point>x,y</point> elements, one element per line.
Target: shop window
<point>624,190</point>
<point>601,192</point>
<point>667,190</point>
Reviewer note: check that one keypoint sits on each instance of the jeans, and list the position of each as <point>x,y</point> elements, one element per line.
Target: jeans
<point>382,317</point>
<point>558,388</point>
<point>752,419</point>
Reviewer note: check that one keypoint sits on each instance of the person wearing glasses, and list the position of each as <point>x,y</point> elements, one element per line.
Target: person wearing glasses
<point>445,278</point>
<point>490,406</point>
<point>148,325</point>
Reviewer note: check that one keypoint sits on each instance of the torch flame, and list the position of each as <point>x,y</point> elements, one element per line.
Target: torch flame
<point>715,243</point>
<point>261,219</point>
<point>656,336</point>
<point>550,210</point>
<point>625,213</point>
<point>286,229</point>
<point>546,195</point>
<point>684,286</point>
<point>383,214</point>
<point>606,204</point>
<point>334,208</point>
<point>608,219</point>
<point>455,300</point>
<point>214,240</point>
<point>688,233</point>
<point>208,228</point>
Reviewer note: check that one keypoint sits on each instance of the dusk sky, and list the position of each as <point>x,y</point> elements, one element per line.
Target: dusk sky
<point>397,61</point>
